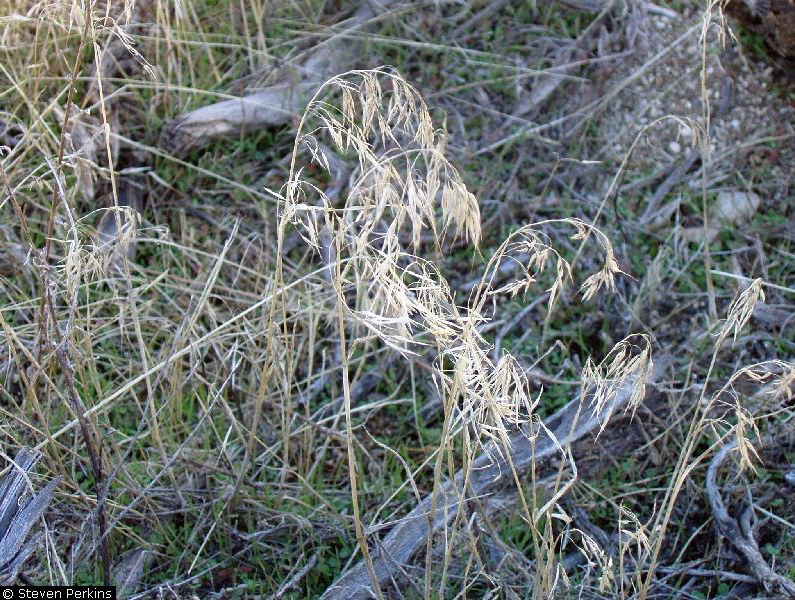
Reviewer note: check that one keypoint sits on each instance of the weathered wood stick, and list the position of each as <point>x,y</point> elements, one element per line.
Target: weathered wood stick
<point>276,104</point>
<point>488,473</point>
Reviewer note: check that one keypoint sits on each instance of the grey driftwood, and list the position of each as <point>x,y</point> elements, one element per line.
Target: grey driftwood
<point>276,104</point>
<point>19,511</point>
<point>489,473</point>
<point>297,82</point>
<point>743,539</point>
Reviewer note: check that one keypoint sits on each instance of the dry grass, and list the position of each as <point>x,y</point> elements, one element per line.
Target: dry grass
<point>292,344</point>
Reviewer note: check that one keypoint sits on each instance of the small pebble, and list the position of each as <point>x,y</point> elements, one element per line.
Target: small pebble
<point>675,147</point>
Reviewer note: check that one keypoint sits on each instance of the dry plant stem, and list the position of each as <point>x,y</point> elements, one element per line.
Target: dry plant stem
<point>746,544</point>
<point>713,311</point>
<point>738,315</point>
<point>94,453</point>
<point>437,478</point>
<point>62,144</point>
<point>287,398</point>
<point>531,521</point>
<point>278,284</point>
<point>467,453</point>
<point>20,215</point>
<point>108,400</point>
<point>680,474</point>
<point>267,367</point>
<point>505,442</point>
<point>487,473</point>
<point>681,471</point>
<point>94,450</point>
<point>346,389</point>
<point>55,201</point>
<point>133,304</point>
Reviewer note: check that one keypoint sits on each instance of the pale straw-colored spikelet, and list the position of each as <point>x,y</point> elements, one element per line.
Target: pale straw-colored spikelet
<point>403,194</point>
<point>778,377</point>
<point>741,310</point>
<point>628,363</point>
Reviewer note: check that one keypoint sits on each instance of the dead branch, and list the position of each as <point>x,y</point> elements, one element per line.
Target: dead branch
<point>19,511</point>
<point>745,543</point>
<point>489,472</point>
<point>295,580</point>
<point>276,104</point>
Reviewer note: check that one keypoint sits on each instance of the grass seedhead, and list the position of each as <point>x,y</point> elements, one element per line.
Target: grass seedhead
<point>403,190</point>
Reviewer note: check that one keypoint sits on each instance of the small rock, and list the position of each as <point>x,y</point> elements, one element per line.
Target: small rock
<point>675,147</point>
<point>734,207</point>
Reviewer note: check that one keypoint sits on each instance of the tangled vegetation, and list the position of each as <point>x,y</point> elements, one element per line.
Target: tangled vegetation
<point>510,317</point>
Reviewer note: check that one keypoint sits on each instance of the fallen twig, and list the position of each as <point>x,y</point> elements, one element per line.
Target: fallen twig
<point>274,105</point>
<point>488,472</point>
<point>18,514</point>
<point>746,544</point>
<point>296,579</point>
<point>94,453</point>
